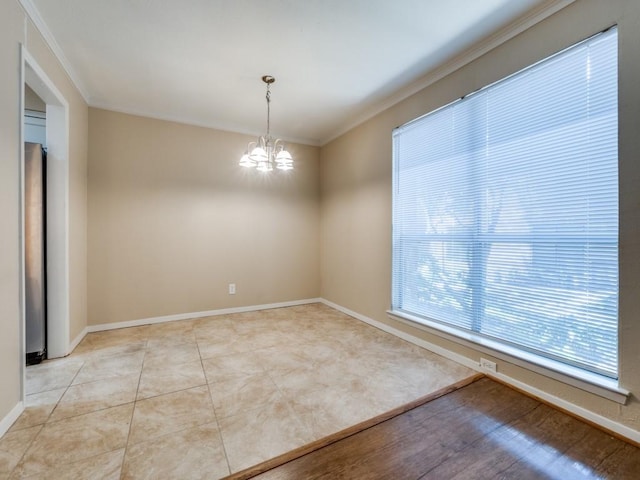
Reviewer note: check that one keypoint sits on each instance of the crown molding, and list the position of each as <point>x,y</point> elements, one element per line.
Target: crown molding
<point>34,15</point>
<point>543,11</point>
<point>501,36</point>
<point>113,107</point>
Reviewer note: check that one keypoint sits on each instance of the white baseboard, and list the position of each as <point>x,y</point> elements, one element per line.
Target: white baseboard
<point>186,316</point>
<point>10,418</point>
<point>576,410</point>
<point>588,415</point>
<point>580,412</point>
<point>76,341</point>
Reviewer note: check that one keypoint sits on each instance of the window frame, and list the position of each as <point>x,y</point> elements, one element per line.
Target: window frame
<point>577,376</point>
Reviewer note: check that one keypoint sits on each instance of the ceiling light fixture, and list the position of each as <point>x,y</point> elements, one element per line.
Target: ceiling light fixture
<point>267,152</point>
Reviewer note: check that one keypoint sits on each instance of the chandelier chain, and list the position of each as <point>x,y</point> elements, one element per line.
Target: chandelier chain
<point>268,108</point>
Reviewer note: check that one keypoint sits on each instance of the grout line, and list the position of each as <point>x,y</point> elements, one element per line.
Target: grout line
<point>133,411</point>
<point>215,414</point>
<point>224,447</point>
<point>46,421</point>
<point>66,389</point>
<point>13,470</point>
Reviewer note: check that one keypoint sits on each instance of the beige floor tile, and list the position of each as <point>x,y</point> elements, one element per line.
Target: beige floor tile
<point>214,327</point>
<point>97,341</point>
<point>346,406</point>
<point>38,407</point>
<point>159,343</point>
<point>110,367</point>
<point>94,396</point>
<point>297,382</point>
<point>267,323</point>
<point>424,370</point>
<point>162,335</point>
<point>285,360</point>
<point>376,389</point>
<point>242,317</point>
<point>436,379</point>
<point>258,435</point>
<point>171,353</point>
<point>194,453</point>
<point>13,445</point>
<point>314,334</point>
<point>169,329</point>
<point>392,356</point>
<point>171,377</point>
<point>87,352</point>
<point>77,438</point>
<point>344,372</point>
<point>384,392</point>
<point>171,412</point>
<point>106,466</point>
<point>215,346</point>
<point>243,394</point>
<point>52,374</point>
<point>321,351</point>
<point>256,326</point>
<point>230,367</point>
<point>269,338</point>
<point>312,411</point>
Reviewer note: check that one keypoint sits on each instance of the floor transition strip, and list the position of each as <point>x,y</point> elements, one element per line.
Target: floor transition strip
<point>347,432</point>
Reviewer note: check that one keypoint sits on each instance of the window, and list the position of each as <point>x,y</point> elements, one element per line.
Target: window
<point>505,213</point>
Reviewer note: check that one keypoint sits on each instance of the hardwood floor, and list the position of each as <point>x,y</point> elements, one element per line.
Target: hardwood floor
<point>484,430</point>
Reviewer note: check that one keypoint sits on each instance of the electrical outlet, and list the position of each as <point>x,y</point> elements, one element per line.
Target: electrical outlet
<point>488,365</point>
<point>232,289</point>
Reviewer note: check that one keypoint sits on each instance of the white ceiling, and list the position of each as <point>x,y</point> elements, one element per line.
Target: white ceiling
<point>336,62</point>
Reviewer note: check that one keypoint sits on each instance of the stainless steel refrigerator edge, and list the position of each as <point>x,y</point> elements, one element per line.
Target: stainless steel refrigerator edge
<point>35,274</point>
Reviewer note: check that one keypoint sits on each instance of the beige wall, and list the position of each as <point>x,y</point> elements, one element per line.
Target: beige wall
<point>173,220</point>
<point>356,192</point>
<point>16,29</point>
<point>32,101</point>
<point>10,35</point>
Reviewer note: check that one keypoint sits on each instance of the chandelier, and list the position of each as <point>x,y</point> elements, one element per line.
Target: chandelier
<point>267,152</point>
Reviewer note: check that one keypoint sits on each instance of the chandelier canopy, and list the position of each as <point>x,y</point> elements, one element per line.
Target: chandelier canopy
<point>267,152</point>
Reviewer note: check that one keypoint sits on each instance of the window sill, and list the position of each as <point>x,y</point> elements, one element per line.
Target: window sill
<point>587,381</point>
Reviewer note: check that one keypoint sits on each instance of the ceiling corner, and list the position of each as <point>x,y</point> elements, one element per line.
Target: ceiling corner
<point>36,18</point>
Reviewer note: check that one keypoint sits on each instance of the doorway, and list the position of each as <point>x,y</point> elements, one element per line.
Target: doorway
<point>57,201</point>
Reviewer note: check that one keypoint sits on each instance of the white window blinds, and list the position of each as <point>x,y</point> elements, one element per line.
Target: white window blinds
<point>505,214</point>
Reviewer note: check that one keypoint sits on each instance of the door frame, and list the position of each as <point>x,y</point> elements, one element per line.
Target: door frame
<point>57,200</point>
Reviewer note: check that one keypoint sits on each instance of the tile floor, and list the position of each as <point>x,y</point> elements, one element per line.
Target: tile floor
<point>207,397</point>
